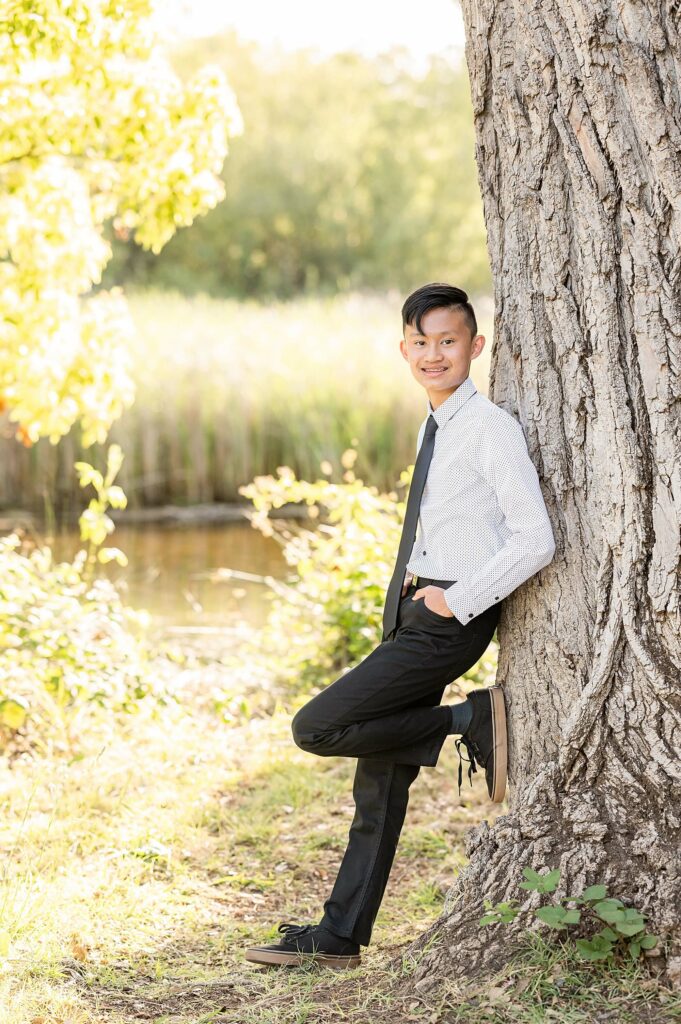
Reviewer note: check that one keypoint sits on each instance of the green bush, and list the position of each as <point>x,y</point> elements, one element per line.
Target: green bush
<point>65,641</point>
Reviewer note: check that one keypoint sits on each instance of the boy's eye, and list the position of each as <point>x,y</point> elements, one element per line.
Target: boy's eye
<point>445,341</point>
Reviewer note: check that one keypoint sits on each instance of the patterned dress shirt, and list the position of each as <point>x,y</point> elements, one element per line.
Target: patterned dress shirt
<point>482,519</point>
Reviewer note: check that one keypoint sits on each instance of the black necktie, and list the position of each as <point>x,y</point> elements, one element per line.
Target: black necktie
<point>411,516</point>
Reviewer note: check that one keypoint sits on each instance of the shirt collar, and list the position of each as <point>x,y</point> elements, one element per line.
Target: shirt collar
<point>451,405</point>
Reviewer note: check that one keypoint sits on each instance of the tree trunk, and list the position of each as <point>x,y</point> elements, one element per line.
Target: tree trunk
<point>578,136</point>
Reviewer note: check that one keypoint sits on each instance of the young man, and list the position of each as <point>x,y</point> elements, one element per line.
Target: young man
<point>483,530</point>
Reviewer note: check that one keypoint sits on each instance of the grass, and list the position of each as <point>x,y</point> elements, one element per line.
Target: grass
<point>140,870</point>
<point>135,874</point>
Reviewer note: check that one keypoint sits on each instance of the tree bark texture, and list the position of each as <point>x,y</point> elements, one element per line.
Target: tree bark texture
<point>578,140</point>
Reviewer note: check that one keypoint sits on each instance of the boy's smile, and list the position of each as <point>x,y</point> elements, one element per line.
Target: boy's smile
<point>440,357</point>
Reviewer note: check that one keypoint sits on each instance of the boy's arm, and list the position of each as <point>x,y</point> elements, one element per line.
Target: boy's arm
<point>508,469</point>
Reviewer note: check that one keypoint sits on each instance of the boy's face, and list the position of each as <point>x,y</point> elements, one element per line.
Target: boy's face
<point>440,358</point>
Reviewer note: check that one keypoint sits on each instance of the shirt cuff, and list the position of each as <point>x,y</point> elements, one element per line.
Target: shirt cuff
<point>462,606</point>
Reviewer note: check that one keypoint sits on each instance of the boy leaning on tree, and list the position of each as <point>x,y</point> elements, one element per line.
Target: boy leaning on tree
<point>475,528</point>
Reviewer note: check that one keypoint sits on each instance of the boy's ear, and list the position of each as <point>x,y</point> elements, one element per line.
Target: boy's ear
<point>403,349</point>
<point>477,345</point>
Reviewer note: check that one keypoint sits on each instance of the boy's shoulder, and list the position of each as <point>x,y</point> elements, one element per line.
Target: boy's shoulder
<point>489,419</point>
<point>491,415</point>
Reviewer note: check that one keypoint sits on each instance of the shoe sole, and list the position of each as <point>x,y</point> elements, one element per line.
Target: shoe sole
<point>499,744</point>
<point>272,958</point>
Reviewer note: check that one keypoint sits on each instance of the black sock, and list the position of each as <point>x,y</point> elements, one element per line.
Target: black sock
<point>461,716</point>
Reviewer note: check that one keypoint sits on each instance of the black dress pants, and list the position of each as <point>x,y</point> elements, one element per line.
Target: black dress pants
<point>386,712</point>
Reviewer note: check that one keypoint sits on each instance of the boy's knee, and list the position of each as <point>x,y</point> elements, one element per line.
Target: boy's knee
<point>302,735</point>
<point>305,733</point>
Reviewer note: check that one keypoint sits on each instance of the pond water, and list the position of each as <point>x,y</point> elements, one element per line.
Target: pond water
<point>177,572</point>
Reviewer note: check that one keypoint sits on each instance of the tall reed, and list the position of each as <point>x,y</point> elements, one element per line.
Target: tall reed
<point>229,389</point>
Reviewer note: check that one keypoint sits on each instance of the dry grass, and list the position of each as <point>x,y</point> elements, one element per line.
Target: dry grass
<point>139,871</point>
<point>134,876</point>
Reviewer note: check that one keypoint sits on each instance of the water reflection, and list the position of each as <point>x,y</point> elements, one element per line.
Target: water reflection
<point>170,568</point>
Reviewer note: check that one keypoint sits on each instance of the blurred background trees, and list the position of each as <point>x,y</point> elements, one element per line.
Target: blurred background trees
<point>352,182</point>
<point>352,172</point>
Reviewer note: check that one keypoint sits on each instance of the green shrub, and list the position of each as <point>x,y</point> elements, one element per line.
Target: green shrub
<point>65,640</point>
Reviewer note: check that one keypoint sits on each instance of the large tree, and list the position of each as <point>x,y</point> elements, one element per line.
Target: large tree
<point>578,142</point>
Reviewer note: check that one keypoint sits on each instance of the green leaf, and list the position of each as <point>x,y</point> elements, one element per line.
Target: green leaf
<point>594,892</point>
<point>609,934</point>
<point>609,910</point>
<point>611,901</point>
<point>628,927</point>
<point>533,879</point>
<point>572,917</point>
<point>589,951</point>
<point>649,941</point>
<point>550,881</point>
<point>634,949</point>
<point>553,916</point>
<point>540,883</point>
<point>13,712</point>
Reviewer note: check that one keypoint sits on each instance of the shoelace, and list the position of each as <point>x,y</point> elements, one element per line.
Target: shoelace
<point>473,752</point>
<point>294,931</point>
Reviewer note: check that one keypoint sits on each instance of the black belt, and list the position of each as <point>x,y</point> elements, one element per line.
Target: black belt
<point>425,581</point>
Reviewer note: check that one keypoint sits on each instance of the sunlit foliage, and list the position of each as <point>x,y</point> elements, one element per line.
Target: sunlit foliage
<point>65,641</point>
<point>352,172</point>
<point>94,126</point>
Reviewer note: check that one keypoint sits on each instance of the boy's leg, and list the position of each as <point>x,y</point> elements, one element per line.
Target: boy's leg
<point>381,794</point>
<point>425,656</point>
<point>385,712</point>
<point>376,710</point>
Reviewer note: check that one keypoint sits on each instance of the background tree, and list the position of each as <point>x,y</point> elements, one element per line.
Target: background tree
<point>577,119</point>
<point>95,125</point>
<point>352,172</point>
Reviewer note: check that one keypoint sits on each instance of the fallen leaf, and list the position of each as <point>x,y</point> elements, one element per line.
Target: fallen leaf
<point>78,950</point>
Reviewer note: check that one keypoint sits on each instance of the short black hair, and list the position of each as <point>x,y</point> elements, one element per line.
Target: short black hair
<point>437,296</point>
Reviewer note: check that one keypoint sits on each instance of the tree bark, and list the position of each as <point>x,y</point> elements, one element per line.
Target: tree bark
<point>578,142</point>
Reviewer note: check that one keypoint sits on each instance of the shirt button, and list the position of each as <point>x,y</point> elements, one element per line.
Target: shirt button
<point>470,615</point>
<point>496,598</point>
<point>424,552</point>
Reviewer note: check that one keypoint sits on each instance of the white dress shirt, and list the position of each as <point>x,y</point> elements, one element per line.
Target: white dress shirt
<point>482,519</point>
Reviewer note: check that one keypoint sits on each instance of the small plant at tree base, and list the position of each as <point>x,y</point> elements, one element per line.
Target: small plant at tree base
<point>620,928</point>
